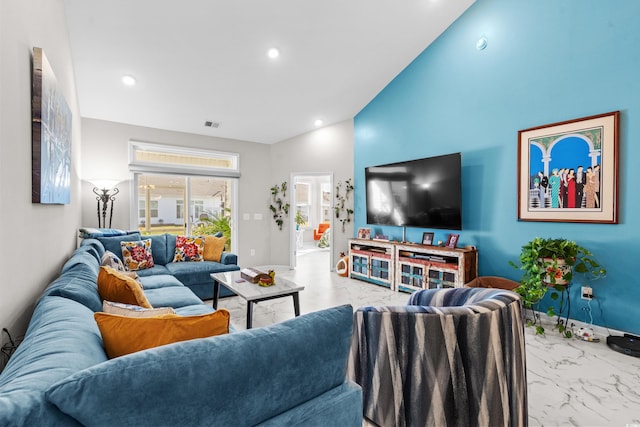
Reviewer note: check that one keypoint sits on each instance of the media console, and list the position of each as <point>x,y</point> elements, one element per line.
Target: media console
<point>409,267</point>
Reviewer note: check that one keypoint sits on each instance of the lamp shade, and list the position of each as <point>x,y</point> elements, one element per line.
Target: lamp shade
<point>104,184</point>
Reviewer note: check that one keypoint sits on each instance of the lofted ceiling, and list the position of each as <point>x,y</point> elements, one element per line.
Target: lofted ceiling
<point>206,60</point>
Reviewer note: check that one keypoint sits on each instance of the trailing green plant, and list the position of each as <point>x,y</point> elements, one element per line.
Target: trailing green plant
<point>279,208</point>
<point>549,265</point>
<point>342,198</point>
<point>214,223</point>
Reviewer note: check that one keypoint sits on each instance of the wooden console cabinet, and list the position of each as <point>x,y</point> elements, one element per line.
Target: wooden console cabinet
<point>409,266</point>
<point>372,261</point>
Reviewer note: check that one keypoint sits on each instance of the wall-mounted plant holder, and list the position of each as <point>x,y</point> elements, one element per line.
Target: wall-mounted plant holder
<point>279,207</point>
<point>343,212</point>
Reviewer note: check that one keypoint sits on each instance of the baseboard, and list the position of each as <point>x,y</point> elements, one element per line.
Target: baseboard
<point>549,322</point>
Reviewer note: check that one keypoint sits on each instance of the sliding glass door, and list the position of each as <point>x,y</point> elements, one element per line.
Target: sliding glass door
<point>181,190</point>
<point>180,204</point>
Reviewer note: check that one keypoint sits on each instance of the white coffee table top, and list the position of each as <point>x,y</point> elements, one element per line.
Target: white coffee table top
<point>252,291</point>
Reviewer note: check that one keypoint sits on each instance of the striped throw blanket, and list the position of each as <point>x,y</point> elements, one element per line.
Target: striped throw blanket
<point>451,357</point>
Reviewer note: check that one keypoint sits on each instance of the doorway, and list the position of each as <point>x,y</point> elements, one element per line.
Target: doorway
<point>312,219</point>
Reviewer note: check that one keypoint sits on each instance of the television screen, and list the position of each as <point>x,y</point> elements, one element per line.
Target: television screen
<point>418,193</point>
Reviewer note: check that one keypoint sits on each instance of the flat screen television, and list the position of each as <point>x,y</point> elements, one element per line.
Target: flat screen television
<point>417,193</point>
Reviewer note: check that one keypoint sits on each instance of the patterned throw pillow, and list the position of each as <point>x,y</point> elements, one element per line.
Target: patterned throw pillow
<point>137,255</point>
<point>189,249</point>
<point>111,260</point>
<point>130,310</point>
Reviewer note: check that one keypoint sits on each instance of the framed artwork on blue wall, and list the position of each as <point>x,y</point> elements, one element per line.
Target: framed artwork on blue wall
<point>568,171</point>
<point>51,136</point>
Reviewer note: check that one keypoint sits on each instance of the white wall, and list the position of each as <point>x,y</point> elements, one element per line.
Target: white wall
<point>37,239</point>
<point>105,155</point>
<point>326,150</point>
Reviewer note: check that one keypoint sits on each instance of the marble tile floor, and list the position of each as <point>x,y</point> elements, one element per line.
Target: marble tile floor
<point>571,382</point>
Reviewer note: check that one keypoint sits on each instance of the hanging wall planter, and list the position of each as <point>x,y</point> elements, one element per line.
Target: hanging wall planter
<point>279,208</point>
<point>343,212</point>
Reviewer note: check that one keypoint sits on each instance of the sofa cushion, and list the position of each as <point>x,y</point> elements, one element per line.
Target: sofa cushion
<point>213,247</point>
<point>79,285</point>
<point>84,256</point>
<point>113,243</point>
<point>342,405</point>
<point>171,296</point>
<point>62,339</point>
<point>171,246</point>
<point>204,291</point>
<point>159,248</point>
<point>297,360</point>
<point>193,310</point>
<point>95,244</point>
<point>78,281</point>
<point>193,273</point>
<point>137,255</point>
<point>159,281</point>
<point>115,286</point>
<point>229,258</point>
<point>157,269</point>
<point>125,335</point>
<point>130,310</point>
<point>189,249</point>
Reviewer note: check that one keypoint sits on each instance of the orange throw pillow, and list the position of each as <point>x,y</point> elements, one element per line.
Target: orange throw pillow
<point>115,286</point>
<point>213,247</point>
<point>124,335</point>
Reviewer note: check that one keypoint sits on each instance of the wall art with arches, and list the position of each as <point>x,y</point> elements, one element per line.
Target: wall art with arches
<point>568,171</point>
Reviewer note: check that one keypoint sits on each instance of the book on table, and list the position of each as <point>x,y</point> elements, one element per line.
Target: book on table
<point>253,275</point>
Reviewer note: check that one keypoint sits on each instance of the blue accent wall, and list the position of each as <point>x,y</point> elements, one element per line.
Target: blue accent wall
<point>546,61</point>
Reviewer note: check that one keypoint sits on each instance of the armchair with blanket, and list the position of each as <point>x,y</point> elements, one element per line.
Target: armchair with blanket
<point>449,357</point>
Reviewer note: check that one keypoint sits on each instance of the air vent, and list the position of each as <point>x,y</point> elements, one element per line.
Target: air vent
<point>211,124</point>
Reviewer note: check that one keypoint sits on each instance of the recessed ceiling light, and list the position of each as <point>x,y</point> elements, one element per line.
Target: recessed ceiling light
<point>273,53</point>
<point>128,80</point>
<point>318,123</point>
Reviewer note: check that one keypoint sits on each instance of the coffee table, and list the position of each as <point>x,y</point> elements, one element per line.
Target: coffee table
<point>254,293</point>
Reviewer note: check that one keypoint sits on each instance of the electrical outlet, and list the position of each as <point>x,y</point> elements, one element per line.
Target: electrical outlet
<point>253,252</point>
<point>587,293</point>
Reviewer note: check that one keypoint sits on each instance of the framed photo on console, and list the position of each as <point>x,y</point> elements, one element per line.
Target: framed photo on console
<point>568,171</point>
<point>452,241</point>
<point>427,238</point>
<point>364,233</point>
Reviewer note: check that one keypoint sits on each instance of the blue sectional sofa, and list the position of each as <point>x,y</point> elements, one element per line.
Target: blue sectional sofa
<point>194,275</point>
<point>291,373</point>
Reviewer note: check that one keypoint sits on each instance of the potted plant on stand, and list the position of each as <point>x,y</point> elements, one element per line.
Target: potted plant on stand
<point>549,266</point>
<point>300,220</point>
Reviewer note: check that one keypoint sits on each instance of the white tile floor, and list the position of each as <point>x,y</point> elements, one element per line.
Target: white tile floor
<point>571,382</point>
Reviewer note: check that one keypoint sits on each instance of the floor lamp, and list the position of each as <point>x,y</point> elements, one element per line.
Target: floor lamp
<point>105,191</point>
